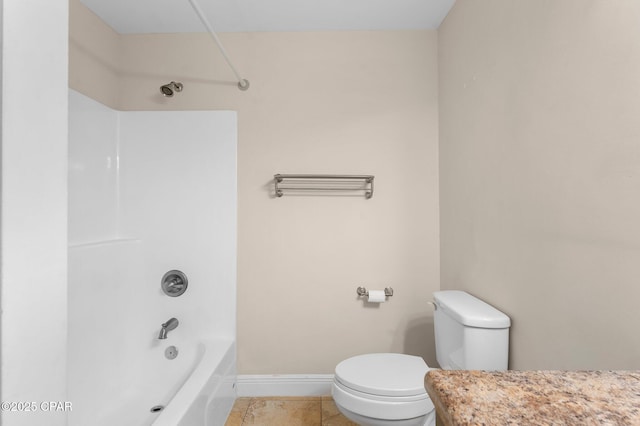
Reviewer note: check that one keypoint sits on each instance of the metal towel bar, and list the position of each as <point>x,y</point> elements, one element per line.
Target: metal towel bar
<point>304,183</point>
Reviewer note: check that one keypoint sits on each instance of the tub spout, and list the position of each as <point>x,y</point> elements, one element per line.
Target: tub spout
<point>166,327</point>
<point>163,333</point>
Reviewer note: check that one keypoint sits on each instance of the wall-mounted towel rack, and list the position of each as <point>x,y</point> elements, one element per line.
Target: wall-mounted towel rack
<point>309,183</point>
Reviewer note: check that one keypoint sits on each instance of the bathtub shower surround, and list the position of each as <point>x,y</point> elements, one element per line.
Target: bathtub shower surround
<point>151,193</point>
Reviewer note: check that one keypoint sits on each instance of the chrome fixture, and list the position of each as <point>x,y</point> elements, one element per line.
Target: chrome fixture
<point>166,327</point>
<point>174,283</point>
<point>171,352</point>
<point>363,292</point>
<point>168,89</point>
<point>306,184</point>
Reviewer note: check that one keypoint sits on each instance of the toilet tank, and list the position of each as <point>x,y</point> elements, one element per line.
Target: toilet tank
<point>470,334</point>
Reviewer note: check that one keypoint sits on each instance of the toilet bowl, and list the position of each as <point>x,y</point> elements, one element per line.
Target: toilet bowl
<point>388,389</point>
<point>383,389</point>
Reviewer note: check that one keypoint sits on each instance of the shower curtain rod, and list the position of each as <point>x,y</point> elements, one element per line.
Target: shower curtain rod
<point>243,84</point>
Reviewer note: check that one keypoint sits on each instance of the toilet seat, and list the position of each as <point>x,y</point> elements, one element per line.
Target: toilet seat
<point>382,386</point>
<point>384,374</point>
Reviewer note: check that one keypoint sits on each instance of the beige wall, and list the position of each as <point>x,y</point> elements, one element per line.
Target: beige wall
<point>94,55</point>
<point>331,102</point>
<point>539,181</point>
<point>540,173</point>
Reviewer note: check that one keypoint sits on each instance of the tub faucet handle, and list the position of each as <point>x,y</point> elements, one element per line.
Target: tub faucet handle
<point>174,283</point>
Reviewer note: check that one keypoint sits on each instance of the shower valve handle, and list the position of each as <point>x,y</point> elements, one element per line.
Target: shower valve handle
<point>174,283</point>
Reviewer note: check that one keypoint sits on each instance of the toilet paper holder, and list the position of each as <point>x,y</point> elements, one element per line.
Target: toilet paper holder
<point>388,291</point>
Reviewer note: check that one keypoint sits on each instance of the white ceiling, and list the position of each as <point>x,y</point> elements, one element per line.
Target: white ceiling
<point>170,16</point>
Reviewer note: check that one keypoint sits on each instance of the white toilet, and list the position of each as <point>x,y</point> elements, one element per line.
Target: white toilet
<point>387,389</point>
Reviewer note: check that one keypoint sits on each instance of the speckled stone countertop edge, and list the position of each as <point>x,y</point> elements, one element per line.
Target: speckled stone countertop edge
<point>466,397</point>
<point>441,412</point>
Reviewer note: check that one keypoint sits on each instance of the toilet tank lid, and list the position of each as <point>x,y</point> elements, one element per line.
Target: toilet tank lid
<point>469,310</point>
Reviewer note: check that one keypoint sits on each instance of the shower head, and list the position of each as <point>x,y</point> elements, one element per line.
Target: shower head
<point>168,89</point>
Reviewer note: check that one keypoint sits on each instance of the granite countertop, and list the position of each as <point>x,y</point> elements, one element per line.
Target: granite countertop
<point>535,397</point>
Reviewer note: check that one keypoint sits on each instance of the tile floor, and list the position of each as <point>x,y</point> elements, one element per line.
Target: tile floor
<point>287,411</point>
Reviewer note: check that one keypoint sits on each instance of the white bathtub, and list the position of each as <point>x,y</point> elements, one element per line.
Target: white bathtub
<point>206,398</point>
<point>117,369</point>
<point>195,389</point>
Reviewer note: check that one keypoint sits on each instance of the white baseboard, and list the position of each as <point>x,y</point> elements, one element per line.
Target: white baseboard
<point>284,385</point>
